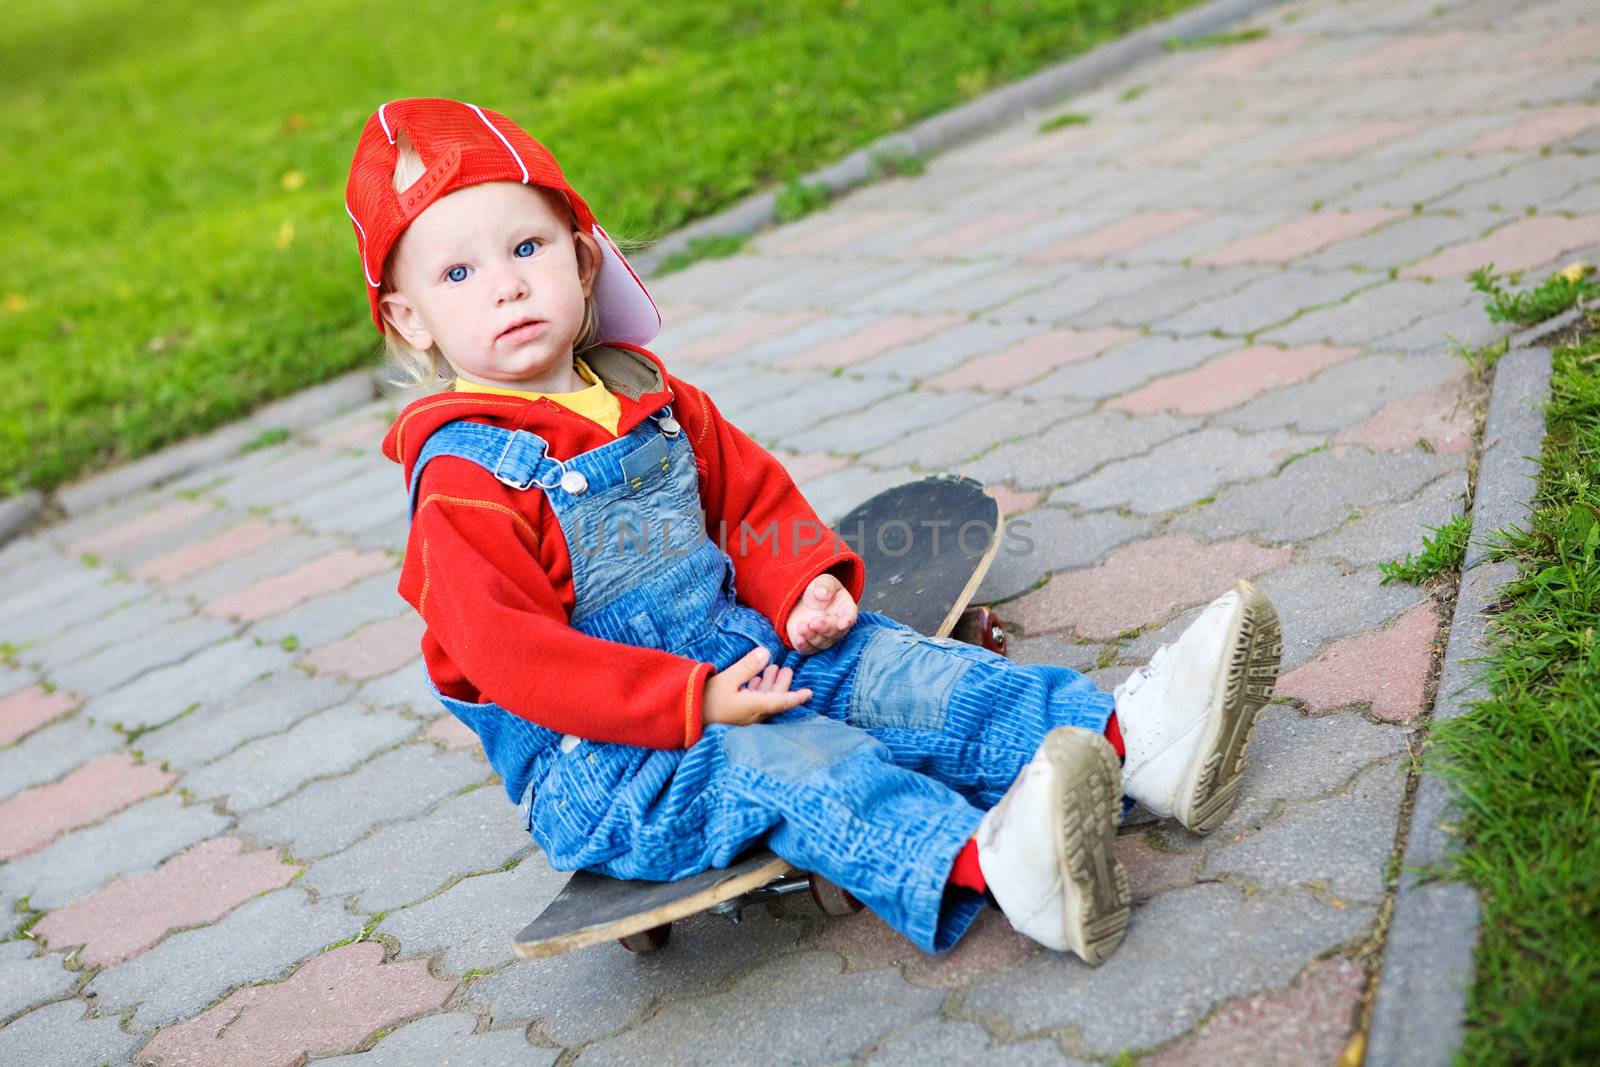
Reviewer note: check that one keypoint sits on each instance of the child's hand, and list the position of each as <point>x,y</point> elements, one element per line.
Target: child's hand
<point>728,699</point>
<point>824,614</point>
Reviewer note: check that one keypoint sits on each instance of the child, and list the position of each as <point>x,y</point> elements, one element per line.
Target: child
<point>659,704</point>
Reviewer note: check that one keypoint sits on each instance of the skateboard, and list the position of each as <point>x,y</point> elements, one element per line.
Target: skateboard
<point>927,545</point>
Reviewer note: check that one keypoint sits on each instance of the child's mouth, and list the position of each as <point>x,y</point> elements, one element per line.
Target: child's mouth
<point>522,330</point>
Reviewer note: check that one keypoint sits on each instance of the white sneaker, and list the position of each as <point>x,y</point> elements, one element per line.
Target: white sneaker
<point>1186,717</point>
<point>1046,848</point>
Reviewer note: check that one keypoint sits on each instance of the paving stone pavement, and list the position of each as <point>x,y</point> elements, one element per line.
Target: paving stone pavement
<point>1202,335</point>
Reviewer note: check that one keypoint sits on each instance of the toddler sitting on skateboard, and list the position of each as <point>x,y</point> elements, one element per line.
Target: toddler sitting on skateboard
<point>659,703</point>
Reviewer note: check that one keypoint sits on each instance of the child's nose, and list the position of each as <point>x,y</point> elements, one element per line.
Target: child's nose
<point>511,285</point>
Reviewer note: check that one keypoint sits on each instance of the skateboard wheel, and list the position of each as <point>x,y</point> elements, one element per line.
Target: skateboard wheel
<point>982,627</point>
<point>831,899</point>
<point>647,940</point>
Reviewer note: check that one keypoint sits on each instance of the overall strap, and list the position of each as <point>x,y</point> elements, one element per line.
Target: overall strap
<point>516,457</point>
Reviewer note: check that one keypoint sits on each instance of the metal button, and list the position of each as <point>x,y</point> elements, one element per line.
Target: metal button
<point>669,426</point>
<point>574,482</point>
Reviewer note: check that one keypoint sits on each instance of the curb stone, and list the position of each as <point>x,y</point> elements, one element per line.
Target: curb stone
<point>1418,1015</point>
<point>17,513</point>
<point>965,122</point>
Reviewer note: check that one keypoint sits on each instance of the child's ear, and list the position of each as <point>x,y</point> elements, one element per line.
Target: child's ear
<point>588,253</point>
<point>399,313</point>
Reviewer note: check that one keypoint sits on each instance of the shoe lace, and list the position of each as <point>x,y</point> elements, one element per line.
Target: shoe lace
<point>1131,684</point>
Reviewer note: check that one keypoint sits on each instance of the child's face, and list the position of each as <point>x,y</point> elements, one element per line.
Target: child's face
<point>483,259</point>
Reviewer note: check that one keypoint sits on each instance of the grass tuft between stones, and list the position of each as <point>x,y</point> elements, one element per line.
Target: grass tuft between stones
<point>1442,553</point>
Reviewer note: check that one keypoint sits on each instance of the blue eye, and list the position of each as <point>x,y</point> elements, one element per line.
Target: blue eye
<point>454,276</point>
<point>531,246</point>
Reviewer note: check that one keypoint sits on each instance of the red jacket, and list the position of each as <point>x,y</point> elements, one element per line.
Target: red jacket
<point>487,567</point>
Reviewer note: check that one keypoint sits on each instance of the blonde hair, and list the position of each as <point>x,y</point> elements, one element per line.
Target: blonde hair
<point>413,367</point>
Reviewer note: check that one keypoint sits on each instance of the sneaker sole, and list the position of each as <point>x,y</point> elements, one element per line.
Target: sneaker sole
<point>1089,778</point>
<point>1253,662</point>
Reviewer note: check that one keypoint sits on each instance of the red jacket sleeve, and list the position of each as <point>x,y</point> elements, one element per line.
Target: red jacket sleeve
<point>759,516</point>
<point>472,573</point>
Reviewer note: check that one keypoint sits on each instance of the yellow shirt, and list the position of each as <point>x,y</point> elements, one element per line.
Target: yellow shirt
<point>596,402</point>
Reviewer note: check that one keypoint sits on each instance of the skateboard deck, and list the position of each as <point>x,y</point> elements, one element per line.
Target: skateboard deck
<point>927,545</point>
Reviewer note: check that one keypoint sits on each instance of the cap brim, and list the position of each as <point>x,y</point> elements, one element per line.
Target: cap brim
<point>623,305</point>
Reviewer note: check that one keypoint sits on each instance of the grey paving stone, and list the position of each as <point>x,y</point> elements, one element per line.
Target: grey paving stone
<point>1341,843</point>
<point>973,431</point>
<point>405,688</point>
<point>883,422</point>
<point>87,604</point>
<point>331,814</point>
<point>1318,603</point>
<point>1073,448</point>
<point>941,351</point>
<point>378,506</point>
<point>138,838</point>
<point>448,1041</point>
<point>1052,650</point>
<point>1390,532</point>
<point>475,920</point>
<point>586,995</point>
<point>53,588</point>
<point>771,1016</point>
<point>389,535</point>
<point>116,628</point>
<point>1383,310</point>
<point>1159,296</point>
<point>1126,367</point>
<point>1344,394</point>
<point>1045,540</point>
<point>915,289</point>
<point>265,562</point>
<point>1424,182</point>
<point>1184,470</point>
<point>205,677</point>
<point>59,1034</point>
<point>781,346</point>
<point>1314,494</point>
<point>116,665</point>
<point>1428,965</point>
<point>748,385</point>
<point>1206,235</point>
<point>1267,302</point>
<point>269,768</point>
<point>1401,242</point>
<point>1185,952</point>
<point>402,862</point>
<point>1068,301</point>
<point>866,286</point>
<point>296,472</point>
<point>811,403</point>
<point>1463,324</point>
<point>53,750</point>
<point>1530,184</point>
<point>1584,200</point>
<point>939,1041</point>
<point>996,288</point>
<point>330,617</point>
<point>265,706</point>
<point>260,939</point>
<point>26,981</point>
<point>832,495</point>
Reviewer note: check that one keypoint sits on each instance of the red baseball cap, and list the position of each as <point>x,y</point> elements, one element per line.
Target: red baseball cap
<point>461,145</point>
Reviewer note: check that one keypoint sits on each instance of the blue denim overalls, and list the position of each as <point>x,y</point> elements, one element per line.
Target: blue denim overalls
<point>876,782</point>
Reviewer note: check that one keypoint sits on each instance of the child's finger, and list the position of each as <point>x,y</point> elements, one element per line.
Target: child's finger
<point>749,665</point>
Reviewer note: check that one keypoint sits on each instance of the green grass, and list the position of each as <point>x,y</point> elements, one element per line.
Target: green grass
<point>1527,760</point>
<point>177,250</point>
<point>1445,551</point>
<point>1215,40</point>
<point>1549,298</point>
<point>1071,118</point>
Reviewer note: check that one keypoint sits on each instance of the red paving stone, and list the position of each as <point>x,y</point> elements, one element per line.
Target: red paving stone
<point>1141,583</point>
<point>1244,58</point>
<point>160,520</point>
<point>35,817</point>
<point>283,591</point>
<point>803,465</point>
<point>1539,128</point>
<point>376,649</point>
<point>231,543</point>
<point>1518,246</point>
<point>1441,416</point>
<point>451,733</point>
<point>1310,1023</point>
<point>26,710</point>
<point>132,913</point>
<point>742,334</point>
<point>866,942</point>
<point>1401,54</point>
<point>1152,870</point>
<point>873,338</point>
<point>835,236</point>
<point>359,434</point>
<point>1118,236</point>
<point>1230,380</point>
<point>957,240</point>
<point>1352,140</point>
<point>1388,668</point>
<point>1013,501</point>
<point>989,945</point>
<point>1030,358</point>
<point>333,1002</point>
<point>1193,144</point>
<point>1561,46</point>
<point>1299,237</point>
